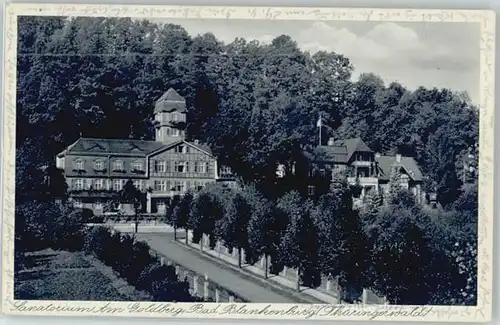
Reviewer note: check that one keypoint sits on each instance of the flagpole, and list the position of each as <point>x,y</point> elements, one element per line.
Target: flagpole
<point>320,122</point>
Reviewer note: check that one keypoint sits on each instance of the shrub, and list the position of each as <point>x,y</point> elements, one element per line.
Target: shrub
<point>161,281</point>
<point>139,260</point>
<point>96,242</point>
<point>68,232</point>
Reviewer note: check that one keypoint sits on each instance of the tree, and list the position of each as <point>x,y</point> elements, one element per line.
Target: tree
<point>206,210</point>
<point>170,213</point>
<point>265,228</point>
<point>182,211</point>
<point>344,248</point>
<point>234,225</point>
<point>130,195</point>
<point>299,244</point>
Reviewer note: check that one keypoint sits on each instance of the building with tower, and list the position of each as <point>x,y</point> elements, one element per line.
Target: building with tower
<point>97,169</point>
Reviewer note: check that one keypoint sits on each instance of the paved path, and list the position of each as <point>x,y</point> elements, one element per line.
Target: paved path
<point>250,290</point>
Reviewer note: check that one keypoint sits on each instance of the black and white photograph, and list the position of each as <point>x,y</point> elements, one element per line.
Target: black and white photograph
<point>242,161</point>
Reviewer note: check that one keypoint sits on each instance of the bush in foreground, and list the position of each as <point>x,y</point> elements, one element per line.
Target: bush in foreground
<point>132,261</point>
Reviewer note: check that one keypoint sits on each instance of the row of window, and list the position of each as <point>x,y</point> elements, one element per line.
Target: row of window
<point>116,165</point>
<point>79,184</point>
<point>178,186</point>
<point>162,166</point>
<point>173,132</point>
<point>174,117</point>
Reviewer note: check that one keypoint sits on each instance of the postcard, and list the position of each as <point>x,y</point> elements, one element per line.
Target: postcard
<point>248,162</point>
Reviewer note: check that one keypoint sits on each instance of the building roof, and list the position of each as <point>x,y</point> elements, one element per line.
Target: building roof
<point>113,146</point>
<point>340,152</point>
<point>331,154</point>
<point>196,145</point>
<point>170,101</point>
<point>125,147</point>
<point>353,145</point>
<point>385,164</point>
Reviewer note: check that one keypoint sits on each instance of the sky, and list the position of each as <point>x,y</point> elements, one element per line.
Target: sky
<point>414,54</point>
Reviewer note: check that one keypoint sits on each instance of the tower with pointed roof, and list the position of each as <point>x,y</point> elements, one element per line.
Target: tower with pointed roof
<point>170,117</point>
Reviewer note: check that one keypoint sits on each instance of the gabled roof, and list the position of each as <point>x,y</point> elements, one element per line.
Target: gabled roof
<point>170,101</point>
<point>353,145</point>
<point>409,164</point>
<point>340,152</point>
<point>113,146</point>
<point>169,146</point>
<point>125,147</point>
<point>330,154</point>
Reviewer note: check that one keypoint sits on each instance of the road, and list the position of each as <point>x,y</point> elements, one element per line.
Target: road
<point>251,290</point>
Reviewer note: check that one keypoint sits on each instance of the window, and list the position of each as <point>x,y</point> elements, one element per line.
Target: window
<point>198,185</point>
<point>77,204</point>
<point>118,165</point>
<point>117,185</point>
<point>182,187</point>
<point>200,167</point>
<point>159,166</point>
<point>178,186</point>
<point>311,172</point>
<point>78,184</point>
<point>224,170</point>
<point>137,166</point>
<point>161,206</point>
<point>180,166</point>
<point>181,149</point>
<point>310,190</point>
<point>98,165</point>
<point>175,117</point>
<point>160,186</point>
<point>138,184</point>
<point>99,184</point>
<point>189,185</point>
<point>79,164</point>
<point>99,205</point>
<point>322,172</point>
<point>186,167</point>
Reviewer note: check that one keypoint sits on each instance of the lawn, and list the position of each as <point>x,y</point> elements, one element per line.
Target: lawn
<point>55,275</point>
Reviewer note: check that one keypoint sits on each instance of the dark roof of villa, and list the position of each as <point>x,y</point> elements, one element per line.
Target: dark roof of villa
<point>353,145</point>
<point>331,154</point>
<point>340,152</point>
<point>409,164</point>
<point>170,101</point>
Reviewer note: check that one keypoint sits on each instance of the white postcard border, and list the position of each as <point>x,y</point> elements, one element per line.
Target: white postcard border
<point>479,313</point>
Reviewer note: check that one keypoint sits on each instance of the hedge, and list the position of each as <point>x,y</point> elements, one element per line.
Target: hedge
<point>132,261</point>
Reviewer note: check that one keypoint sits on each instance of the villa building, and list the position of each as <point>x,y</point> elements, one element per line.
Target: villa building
<point>97,169</point>
<point>363,167</point>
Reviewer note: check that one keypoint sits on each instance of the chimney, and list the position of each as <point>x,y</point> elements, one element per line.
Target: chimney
<point>196,142</point>
<point>331,142</point>
<point>398,158</point>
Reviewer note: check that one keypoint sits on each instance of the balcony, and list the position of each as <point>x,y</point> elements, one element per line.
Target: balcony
<point>362,163</point>
<point>363,181</point>
<point>92,193</point>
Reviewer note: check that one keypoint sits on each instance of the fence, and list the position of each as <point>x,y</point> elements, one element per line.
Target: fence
<point>200,285</point>
<point>327,286</point>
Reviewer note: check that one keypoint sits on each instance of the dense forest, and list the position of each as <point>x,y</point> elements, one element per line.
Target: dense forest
<point>256,106</point>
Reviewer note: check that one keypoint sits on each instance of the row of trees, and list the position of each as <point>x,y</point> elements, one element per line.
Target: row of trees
<point>254,104</point>
<point>395,247</point>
